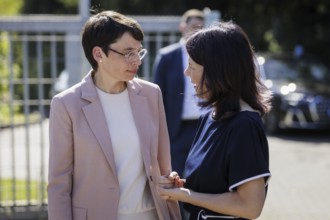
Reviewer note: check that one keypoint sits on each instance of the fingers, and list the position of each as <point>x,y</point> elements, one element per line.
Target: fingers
<point>178,182</point>
<point>165,182</point>
<point>173,175</point>
<point>165,193</point>
<point>171,181</point>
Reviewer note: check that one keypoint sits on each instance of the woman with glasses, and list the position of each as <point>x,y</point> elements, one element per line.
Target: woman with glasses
<point>108,133</point>
<point>227,169</point>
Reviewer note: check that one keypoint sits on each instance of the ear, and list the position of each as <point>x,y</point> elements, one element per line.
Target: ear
<point>97,53</point>
<point>182,27</point>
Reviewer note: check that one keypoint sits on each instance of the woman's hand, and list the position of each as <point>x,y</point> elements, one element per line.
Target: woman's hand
<point>177,182</point>
<point>170,186</point>
<point>171,181</point>
<point>176,194</point>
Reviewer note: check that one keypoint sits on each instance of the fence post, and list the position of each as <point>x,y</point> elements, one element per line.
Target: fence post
<point>73,59</point>
<point>74,64</point>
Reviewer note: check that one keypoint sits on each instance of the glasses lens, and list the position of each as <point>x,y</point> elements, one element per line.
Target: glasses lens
<point>132,56</point>
<point>142,53</point>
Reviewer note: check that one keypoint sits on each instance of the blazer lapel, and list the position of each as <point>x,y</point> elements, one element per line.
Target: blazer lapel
<point>140,110</point>
<point>96,120</point>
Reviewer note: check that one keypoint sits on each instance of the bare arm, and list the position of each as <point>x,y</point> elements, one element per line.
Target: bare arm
<point>246,202</point>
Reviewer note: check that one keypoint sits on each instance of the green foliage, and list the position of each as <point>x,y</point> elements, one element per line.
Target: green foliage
<point>281,25</point>
<point>7,7</point>
<point>69,3</point>
<point>5,95</point>
<point>50,7</point>
<point>4,73</point>
<point>22,190</point>
<point>10,7</point>
<point>273,45</point>
<point>3,59</point>
<point>18,118</point>
<point>272,25</point>
<point>276,26</point>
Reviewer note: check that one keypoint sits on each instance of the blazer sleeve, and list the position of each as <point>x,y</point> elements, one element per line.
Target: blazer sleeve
<point>164,157</point>
<point>60,162</point>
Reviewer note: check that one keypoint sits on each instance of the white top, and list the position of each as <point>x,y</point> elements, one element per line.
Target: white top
<point>190,108</point>
<point>136,201</point>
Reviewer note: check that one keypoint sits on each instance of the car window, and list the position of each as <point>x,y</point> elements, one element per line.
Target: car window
<point>296,69</point>
<point>319,72</point>
<point>277,69</point>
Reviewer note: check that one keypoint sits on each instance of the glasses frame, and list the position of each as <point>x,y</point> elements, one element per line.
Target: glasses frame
<point>141,54</point>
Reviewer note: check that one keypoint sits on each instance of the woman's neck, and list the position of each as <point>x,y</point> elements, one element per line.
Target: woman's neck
<point>108,86</point>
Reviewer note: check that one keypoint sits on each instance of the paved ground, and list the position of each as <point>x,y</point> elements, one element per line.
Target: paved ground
<point>24,148</point>
<point>300,185</point>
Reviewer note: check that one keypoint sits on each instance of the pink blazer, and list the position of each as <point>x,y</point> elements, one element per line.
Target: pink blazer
<point>83,183</point>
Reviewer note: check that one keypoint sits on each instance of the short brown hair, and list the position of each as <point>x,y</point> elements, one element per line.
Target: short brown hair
<point>192,13</point>
<point>105,28</point>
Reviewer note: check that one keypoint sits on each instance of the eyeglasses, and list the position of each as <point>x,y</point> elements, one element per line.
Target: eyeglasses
<point>132,56</point>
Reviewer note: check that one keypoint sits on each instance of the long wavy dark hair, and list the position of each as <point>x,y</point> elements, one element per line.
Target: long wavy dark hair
<point>230,71</point>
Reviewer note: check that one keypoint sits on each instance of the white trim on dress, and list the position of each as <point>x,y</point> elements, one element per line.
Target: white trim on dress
<point>249,179</point>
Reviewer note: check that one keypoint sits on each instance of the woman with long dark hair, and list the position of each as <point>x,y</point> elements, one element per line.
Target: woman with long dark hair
<point>227,170</point>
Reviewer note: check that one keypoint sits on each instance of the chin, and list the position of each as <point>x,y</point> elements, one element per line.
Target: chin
<point>130,77</point>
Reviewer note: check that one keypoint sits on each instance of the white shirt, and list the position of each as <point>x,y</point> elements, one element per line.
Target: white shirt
<point>136,201</point>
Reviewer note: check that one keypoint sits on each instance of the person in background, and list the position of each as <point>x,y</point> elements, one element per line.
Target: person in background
<point>108,134</point>
<point>180,104</point>
<point>227,169</point>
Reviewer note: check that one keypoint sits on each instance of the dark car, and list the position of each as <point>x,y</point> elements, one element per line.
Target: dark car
<point>301,92</point>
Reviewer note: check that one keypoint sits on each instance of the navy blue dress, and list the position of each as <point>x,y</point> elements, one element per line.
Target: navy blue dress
<point>224,155</point>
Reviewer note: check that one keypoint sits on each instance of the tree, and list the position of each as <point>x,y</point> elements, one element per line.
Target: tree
<point>10,7</point>
<point>272,25</point>
<point>50,7</point>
